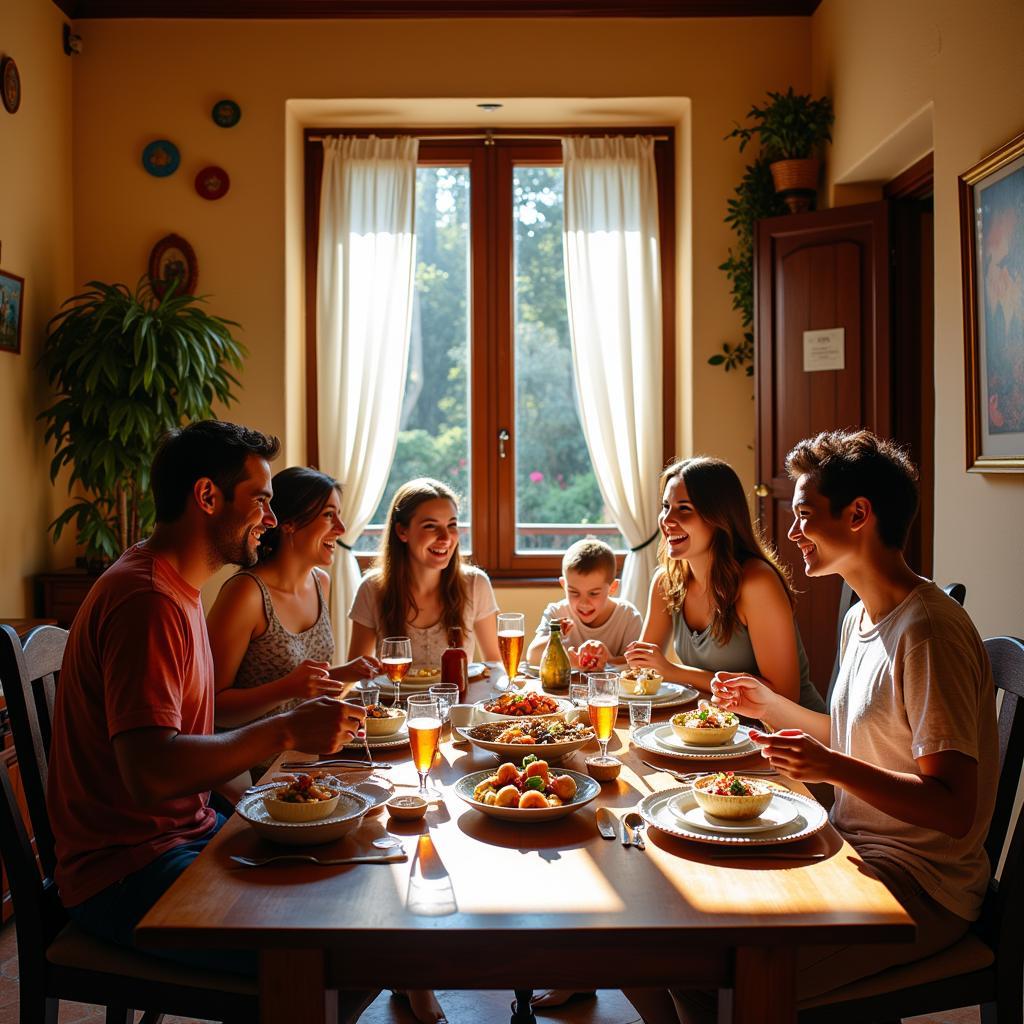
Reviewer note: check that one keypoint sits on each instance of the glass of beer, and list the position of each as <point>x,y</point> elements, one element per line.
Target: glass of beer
<point>424,722</point>
<point>511,641</point>
<point>603,703</point>
<point>396,656</point>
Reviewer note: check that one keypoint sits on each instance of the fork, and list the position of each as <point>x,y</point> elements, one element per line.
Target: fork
<point>389,858</point>
<point>690,776</point>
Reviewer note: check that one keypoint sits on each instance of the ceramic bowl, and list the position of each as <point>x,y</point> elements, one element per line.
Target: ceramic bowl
<point>385,726</point>
<point>633,683</point>
<point>702,737</point>
<point>284,810</point>
<point>408,807</point>
<point>732,808</point>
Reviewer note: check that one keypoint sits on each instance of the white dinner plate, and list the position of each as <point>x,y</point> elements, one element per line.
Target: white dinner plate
<point>655,809</point>
<point>586,790</point>
<point>667,736</point>
<point>346,818</point>
<point>398,738</point>
<point>550,752</point>
<point>483,715</point>
<point>778,813</point>
<point>650,738</point>
<point>476,669</point>
<point>668,695</point>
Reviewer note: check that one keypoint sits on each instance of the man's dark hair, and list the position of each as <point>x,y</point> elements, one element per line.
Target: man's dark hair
<point>848,464</point>
<point>206,448</point>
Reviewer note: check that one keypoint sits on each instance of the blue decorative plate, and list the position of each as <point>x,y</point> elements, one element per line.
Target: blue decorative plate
<point>226,113</point>
<point>161,158</point>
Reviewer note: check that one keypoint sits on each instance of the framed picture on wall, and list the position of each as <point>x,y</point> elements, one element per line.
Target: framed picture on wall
<point>173,261</point>
<point>992,254</point>
<point>12,300</point>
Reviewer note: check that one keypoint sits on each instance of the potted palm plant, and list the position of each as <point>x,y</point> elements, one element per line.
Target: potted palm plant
<point>792,130</point>
<point>127,366</point>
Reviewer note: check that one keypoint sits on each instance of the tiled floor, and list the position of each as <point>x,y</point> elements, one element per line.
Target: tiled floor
<point>609,1007</point>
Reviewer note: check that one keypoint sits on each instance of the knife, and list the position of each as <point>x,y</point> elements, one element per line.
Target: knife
<point>605,823</point>
<point>331,763</point>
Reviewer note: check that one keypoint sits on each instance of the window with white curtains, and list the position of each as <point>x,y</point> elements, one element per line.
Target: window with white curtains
<point>489,400</point>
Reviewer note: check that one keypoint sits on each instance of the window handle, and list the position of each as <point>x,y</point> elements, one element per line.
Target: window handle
<point>503,438</point>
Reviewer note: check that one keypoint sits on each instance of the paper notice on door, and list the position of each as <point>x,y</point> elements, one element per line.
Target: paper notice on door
<point>825,350</point>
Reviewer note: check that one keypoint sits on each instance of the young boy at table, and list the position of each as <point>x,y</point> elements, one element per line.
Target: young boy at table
<point>598,625</point>
<point>910,744</point>
<point>133,755</point>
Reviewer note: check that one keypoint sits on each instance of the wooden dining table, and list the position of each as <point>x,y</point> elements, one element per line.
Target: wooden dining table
<point>485,904</point>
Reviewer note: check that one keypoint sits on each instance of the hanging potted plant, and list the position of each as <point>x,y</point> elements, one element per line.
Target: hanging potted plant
<point>127,366</point>
<point>792,130</point>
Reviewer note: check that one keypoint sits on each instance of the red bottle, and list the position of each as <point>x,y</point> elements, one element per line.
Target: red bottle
<point>454,663</point>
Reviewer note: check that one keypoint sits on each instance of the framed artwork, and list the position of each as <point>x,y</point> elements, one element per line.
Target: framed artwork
<point>226,113</point>
<point>992,256</point>
<point>173,259</point>
<point>161,158</point>
<point>212,182</point>
<point>12,300</point>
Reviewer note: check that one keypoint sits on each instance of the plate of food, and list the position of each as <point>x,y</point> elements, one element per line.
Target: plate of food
<point>660,738</point>
<point>528,793</point>
<point>734,804</point>
<point>519,704</point>
<point>549,738</point>
<point>642,683</point>
<point>263,808</point>
<point>477,669</point>
<point>788,817</point>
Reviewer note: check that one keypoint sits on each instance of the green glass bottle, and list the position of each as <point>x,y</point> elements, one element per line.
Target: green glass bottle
<point>555,670</point>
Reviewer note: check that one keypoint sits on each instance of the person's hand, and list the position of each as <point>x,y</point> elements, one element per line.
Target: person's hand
<point>742,694</point>
<point>574,657</point>
<point>323,724</point>
<point>356,669</point>
<point>795,754</point>
<point>593,656</point>
<point>567,626</point>
<point>311,679</point>
<point>643,655</point>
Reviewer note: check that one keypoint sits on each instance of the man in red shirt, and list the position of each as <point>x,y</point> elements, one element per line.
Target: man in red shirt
<point>134,754</point>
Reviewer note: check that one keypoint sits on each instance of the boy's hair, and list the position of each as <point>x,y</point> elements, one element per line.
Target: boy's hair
<point>206,448</point>
<point>848,464</point>
<point>590,555</point>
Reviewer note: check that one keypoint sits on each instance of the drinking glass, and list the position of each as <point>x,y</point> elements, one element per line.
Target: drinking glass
<point>603,700</point>
<point>396,656</point>
<point>424,722</point>
<point>369,692</point>
<point>446,695</point>
<point>511,640</point>
<point>639,714</point>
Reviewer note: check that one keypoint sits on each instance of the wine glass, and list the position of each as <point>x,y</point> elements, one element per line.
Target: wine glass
<point>603,701</point>
<point>511,640</point>
<point>396,656</point>
<point>424,723</point>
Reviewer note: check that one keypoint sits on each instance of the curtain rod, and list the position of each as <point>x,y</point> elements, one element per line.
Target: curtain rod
<point>489,137</point>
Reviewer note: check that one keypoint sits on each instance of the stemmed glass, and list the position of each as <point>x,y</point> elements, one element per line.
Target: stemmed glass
<point>511,640</point>
<point>396,656</point>
<point>424,722</point>
<point>603,701</point>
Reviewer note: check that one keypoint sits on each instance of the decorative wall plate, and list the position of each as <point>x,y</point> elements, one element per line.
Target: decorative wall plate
<point>10,85</point>
<point>173,259</point>
<point>212,182</point>
<point>226,113</point>
<point>161,158</point>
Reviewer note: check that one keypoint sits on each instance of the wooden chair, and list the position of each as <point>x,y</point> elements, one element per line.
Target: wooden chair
<point>986,966</point>
<point>56,959</point>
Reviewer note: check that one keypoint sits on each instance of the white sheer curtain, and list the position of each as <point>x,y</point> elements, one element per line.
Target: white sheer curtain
<point>613,288</point>
<point>364,308</point>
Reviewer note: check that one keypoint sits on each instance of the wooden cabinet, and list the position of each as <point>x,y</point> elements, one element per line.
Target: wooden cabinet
<point>60,594</point>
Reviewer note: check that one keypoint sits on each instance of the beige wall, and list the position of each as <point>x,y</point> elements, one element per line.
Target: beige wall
<point>35,232</point>
<point>889,67</point>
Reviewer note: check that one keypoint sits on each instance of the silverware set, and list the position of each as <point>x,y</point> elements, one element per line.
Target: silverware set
<point>630,828</point>
<point>333,762</point>
<point>762,773</point>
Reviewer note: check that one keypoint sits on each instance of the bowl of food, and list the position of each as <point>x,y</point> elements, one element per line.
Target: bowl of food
<point>707,725</point>
<point>640,682</point>
<point>732,797</point>
<point>305,799</point>
<point>547,738</point>
<point>528,793</point>
<point>519,704</point>
<point>382,720</point>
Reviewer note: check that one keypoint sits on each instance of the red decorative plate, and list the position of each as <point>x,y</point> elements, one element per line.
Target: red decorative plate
<point>212,182</point>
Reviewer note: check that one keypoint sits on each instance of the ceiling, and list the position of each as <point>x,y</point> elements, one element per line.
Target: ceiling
<point>435,8</point>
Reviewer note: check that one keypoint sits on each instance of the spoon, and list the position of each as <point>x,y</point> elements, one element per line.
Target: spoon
<point>637,824</point>
<point>387,842</point>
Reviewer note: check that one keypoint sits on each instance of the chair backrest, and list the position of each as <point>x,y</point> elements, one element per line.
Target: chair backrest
<point>29,676</point>
<point>847,599</point>
<point>1004,903</point>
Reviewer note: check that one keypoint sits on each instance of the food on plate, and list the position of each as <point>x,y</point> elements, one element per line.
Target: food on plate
<point>382,720</point>
<point>532,732</point>
<point>641,681</point>
<point>522,704</point>
<point>592,656</point>
<point>707,725</point>
<point>531,785</point>
<point>305,799</point>
<point>423,673</point>
<point>730,796</point>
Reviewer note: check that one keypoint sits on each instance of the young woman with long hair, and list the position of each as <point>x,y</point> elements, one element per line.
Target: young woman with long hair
<point>720,592</point>
<point>270,629</point>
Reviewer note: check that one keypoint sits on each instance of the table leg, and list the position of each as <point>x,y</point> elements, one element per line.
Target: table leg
<point>293,987</point>
<point>522,1011</point>
<point>764,987</point>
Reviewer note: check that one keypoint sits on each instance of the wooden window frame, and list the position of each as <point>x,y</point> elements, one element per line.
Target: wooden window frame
<point>491,318</point>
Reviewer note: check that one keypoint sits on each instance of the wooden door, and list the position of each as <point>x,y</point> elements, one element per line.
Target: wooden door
<point>817,272</point>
